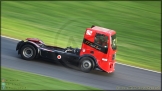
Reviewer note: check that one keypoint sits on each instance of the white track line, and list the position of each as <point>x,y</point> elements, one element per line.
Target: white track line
<point>138,67</point>
<point>116,62</point>
<point>10,38</point>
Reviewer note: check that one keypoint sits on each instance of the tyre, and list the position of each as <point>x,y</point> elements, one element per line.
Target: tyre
<point>28,52</point>
<point>86,64</point>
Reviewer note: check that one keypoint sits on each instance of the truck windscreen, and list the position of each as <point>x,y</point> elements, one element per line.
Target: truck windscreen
<point>114,42</point>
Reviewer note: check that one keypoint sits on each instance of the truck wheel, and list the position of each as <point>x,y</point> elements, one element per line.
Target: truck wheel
<point>28,52</point>
<point>86,64</point>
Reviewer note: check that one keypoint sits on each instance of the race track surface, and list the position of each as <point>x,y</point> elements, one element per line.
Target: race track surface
<point>123,76</point>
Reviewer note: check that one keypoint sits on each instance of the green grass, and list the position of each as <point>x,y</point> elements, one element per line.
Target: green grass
<point>19,80</point>
<point>62,23</point>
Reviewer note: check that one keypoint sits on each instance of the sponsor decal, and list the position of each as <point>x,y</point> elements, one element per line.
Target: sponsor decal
<point>58,56</point>
<point>95,46</point>
<point>89,32</point>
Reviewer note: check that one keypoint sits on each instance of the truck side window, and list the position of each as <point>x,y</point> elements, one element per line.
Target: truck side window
<point>101,40</point>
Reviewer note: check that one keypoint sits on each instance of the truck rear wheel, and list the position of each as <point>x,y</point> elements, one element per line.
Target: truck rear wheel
<point>86,64</point>
<point>28,52</point>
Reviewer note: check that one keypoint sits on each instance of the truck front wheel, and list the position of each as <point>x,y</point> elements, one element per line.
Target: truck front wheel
<point>86,64</point>
<point>28,52</point>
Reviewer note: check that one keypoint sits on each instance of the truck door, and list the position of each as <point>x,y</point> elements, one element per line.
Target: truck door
<point>101,41</point>
<point>96,45</point>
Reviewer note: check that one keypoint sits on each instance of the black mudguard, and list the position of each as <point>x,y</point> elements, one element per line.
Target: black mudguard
<point>22,43</point>
<point>19,44</point>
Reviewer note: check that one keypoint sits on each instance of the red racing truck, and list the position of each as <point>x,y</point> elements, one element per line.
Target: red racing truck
<point>98,50</point>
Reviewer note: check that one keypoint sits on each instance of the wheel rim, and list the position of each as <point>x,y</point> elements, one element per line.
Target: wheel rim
<point>86,64</point>
<point>28,52</point>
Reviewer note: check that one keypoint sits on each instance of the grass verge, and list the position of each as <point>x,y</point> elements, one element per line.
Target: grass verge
<point>19,80</point>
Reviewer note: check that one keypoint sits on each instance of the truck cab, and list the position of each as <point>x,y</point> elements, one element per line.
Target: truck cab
<point>100,44</point>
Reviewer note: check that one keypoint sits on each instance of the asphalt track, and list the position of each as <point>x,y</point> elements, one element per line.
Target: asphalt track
<point>123,78</point>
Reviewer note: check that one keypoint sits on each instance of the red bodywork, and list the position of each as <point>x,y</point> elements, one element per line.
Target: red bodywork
<point>35,40</point>
<point>104,60</point>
